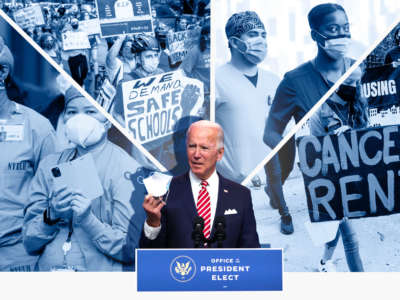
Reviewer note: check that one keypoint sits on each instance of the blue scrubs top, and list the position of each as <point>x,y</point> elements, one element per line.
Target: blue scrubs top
<point>29,138</point>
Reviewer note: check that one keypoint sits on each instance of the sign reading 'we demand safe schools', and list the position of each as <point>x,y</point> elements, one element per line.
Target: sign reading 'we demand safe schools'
<point>354,175</point>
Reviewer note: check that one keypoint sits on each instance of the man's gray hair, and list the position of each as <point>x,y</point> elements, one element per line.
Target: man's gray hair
<point>209,124</point>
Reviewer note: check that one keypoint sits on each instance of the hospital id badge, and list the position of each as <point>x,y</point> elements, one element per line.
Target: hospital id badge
<point>11,133</point>
<point>63,269</point>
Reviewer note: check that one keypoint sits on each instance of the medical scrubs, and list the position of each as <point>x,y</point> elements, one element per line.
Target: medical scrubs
<point>25,139</point>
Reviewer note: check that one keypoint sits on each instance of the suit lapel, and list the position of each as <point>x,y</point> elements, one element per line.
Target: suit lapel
<point>188,201</point>
<point>223,193</point>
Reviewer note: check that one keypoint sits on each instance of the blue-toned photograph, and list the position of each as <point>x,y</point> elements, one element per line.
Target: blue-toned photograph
<point>271,70</point>
<point>71,200</point>
<point>147,63</point>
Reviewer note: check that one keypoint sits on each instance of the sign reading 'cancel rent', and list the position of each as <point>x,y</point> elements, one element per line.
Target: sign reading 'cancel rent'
<point>354,175</point>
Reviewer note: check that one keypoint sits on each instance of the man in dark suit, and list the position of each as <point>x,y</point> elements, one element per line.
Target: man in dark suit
<point>201,192</point>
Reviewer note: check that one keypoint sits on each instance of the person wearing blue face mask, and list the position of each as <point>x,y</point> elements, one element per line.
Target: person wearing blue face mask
<point>69,231</point>
<point>300,90</point>
<point>243,95</point>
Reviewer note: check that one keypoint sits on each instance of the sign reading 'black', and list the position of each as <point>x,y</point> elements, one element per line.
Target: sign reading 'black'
<point>354,175</point>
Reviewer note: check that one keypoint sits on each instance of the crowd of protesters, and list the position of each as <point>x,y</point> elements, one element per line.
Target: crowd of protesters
<point>91,66</point>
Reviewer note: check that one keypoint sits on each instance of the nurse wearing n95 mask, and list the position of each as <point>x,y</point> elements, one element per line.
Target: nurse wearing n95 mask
<point>69,231</point>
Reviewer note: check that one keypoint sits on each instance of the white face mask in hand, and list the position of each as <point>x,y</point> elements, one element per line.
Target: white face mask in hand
<point>84,130</point>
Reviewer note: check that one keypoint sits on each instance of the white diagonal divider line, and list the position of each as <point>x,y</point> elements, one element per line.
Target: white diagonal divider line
<point>213,52</point>
<point>123,130</point>
<point>296,127</point>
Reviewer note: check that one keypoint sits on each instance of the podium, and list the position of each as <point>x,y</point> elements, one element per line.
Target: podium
<point>209,269</point>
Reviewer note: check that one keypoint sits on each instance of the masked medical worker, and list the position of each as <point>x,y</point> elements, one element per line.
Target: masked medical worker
<point>242,93</point>
<point>25,138</point>
<point>302,87</point>
<point>69,231</point>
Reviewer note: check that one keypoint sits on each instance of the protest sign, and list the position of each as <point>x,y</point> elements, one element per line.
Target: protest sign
<point>153,105</point>
<point>179,42</point>
<point>72,40</point>
<point>124,16</point>
<point>106,95</point>
<point>91,26</point>
<point>30,16</point>
<point>380,85</point>
<point>380,88</point>
<point>354,175</point>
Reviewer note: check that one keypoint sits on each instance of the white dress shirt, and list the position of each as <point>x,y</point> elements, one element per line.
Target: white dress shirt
<point>213,183</point>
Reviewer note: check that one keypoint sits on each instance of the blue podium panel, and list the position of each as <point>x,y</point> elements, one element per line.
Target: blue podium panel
<point>209,269</point>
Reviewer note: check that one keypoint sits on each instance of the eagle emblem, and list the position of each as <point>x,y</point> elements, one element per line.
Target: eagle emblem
<point>182,268</point>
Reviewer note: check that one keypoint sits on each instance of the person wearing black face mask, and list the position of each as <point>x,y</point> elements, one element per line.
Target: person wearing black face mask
<point>48,44</point>
<point>75,26</point>
<point>77,60</point>
<point>344,110</point>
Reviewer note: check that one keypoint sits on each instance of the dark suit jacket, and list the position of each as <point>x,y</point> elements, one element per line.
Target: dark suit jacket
<point>180,211</point>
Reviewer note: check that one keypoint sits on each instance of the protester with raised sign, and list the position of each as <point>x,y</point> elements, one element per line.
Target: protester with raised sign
<point>121,58</point>
<point>95,227</point>
<point>344,110</point>
<point>77,58</point>
<point>146,50</point>
<point>25,138</point>
<point>302,87</point>
<point>166,62</point>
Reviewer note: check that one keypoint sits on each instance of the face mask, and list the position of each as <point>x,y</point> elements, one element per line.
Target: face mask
<point>75,26</point>
<point>336,47</point>
<point>254,50</point>
<point>149,65</point>
<point>48,44</point>
<point>84,130</point>
<point>347,92</point>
